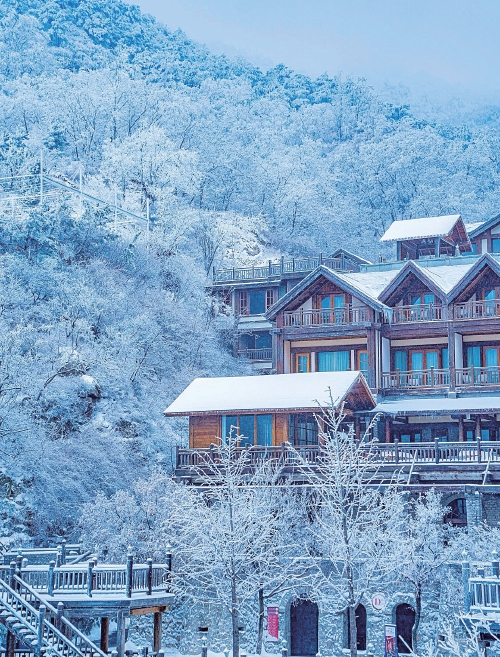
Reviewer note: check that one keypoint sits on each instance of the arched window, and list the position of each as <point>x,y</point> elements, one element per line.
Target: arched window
<point>360,628</point>
<point>405,620</point>
<point>457,514</point>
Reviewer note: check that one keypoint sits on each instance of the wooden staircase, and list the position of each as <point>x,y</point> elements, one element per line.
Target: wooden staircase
<point>38,625</point>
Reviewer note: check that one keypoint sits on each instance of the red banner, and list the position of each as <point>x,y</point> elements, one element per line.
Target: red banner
<point>273,623</point>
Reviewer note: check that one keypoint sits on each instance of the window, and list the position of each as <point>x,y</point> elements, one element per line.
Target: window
<point>401,361</point>
<point>302,362</point>
<point>249,427</point>
<point>333,361</point>
<point>303,429</point>
<point>271,297</point>
<point>410,436</point>
<point>363,361</point>
<point>251,302</point>
<point>242,307</point>
<point>457,514</point>
<point>439,433</point>
<point>473,356</point>
<point>495,245</point>
<point>418,299</point>
<point>474,248</point>
<point>420,360</point>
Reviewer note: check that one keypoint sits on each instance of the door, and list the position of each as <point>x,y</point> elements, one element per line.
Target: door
<point>405,619</point>
<point>304,628</point>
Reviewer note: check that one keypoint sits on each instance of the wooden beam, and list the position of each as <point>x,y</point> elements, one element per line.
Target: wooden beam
<point>140,611</point>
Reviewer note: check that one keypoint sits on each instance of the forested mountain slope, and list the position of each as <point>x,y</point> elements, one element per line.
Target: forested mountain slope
<point>101,330</point>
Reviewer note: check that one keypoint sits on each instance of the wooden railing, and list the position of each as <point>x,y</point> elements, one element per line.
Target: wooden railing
<point>326,317</point>
<point>477,309</point>
<point>97,579</point>
<point>477,376</point>
<point>385,453</point>
<point>403,380</point>
<point>280,267</point>
<point>418,313</point>
<point>256,354</point>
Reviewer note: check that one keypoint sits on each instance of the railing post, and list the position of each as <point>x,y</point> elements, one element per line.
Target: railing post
<point>12,572</point>
<point>284,649</point>
<point>60,614</point>
<point>495,565</point>
<point>63,552</point>
<point>90,578</point>
<point>130,570</point>
<point>150,576</point>
<point>270,268</point>
<point>320,258</point>
<point>42,610</point>
<point>436,450</point>
<point>282,264</point>
<point>59,556</point>
<point>465,585</point>
<point>478,442</point>
<point>396,450</point>
<point>19,561</point>
<point>432,377</point>
<point>51,578</point>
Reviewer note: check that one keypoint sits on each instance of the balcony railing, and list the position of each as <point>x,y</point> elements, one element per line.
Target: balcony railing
<point>477,309</point>
<point>326,317</point>
<point>418,313</point>
<point>396,454</point>
<point>256,354</point>
<point>477,376</point>
<point>280,267</point>
<point>403,380</point>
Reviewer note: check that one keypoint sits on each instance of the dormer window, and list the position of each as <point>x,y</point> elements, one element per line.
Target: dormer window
<point>419,299</point>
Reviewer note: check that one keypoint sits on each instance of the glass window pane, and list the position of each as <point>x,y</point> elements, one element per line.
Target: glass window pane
<point>429,298</point>
<point>417,360</point>
<point>474,356</point>
<point>415,300</point>
<point>302,363</point>
<point>326,302</point>
<point>432,359</point>
<point>489,294</point>
<point>229,426</point>
<point>491,356</point>
<point>333,361</point>
<point>495,245</point>
<point>257,301</point>
<point>338,301</point>
<point>265,430</point>
<point>445,358</point>
<point>246,430</point>
<point>401,360</point>
<point>363,361</point>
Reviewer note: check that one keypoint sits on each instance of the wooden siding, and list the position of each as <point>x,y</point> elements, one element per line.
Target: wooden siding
<point>204,430</point>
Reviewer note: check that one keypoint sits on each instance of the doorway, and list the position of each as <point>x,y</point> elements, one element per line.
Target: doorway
<point>405,620</point>
<point>304,628</point>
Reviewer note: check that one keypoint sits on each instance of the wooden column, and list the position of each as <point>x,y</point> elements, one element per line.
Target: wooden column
<point>461,429</point>
<point>10,644</point>
<point>478,426</point>
<point>157,631</point>
<point>357,428</point>
<point>387,430</point>
<point>371,348</point>
<point>451,352</point>
<point>120,634</point>
<point>104,633</point>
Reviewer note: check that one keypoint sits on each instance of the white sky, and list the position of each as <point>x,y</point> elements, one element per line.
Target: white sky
<point>446,42</point>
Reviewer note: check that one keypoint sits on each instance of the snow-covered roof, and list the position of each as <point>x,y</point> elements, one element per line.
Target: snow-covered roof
<point>280,392</point>
<point>411,229</point>
<point>474,226</point>
<point>446,276</point>
<point>433,405</point>
<point>370,283</point>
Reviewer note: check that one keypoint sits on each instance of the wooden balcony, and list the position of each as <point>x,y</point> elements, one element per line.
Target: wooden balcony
<point>418,313</point>
<point>416,379</point>
<point>280,268</point>
<point>478,376</point>
<point>477,310</point>
<point>262,355</point>
<point>326,317</point>
<point>391,454</point>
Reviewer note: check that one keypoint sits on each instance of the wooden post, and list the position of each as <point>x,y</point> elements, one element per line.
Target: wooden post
<point>387,430</point>
<point>51,578</point>
<point>396,450</point>
<point>461,429</point>
<point>169,567</point>
<point>59,556</point>
<point>120,634</point>
<point>150,576</point>
<point>104,633</point>
<point>63,552</point>
<point>478,442</point>
<point>42,610</point>
<point>130,570</point>
<point>60,614</point>
<point>19,561</point>
<point>90,578</point>
<point>10,644</point>
<point>478,427</point>
<point>157,631</point>
<point>465,584</point>
<point>12,572</point>
<point>436,450</point>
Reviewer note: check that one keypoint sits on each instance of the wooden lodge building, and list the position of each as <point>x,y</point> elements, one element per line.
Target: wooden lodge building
<point>424,330</point>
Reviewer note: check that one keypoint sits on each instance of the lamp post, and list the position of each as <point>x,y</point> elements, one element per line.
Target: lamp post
<point>203,630</point>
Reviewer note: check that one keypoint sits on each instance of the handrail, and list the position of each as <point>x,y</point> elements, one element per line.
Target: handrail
<point>395,453</point>
<point>402,379</point>
<point>477,376</point>
<point>428,312</point>
<point>326,316</point>
<point>78,640</point>
<point>477,309</point>
<point>282,266</point>
<point>256,354</point>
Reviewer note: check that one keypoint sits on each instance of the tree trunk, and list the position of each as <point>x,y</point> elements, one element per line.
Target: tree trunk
<point>353,634</point>
<point>235,620</point>
<point>418,613</point>
<point>260,633</point>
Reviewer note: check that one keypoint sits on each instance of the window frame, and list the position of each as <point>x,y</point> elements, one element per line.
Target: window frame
<point>255,427</point>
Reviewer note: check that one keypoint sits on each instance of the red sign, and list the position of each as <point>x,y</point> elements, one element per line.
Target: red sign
<point>273,623</point>
<point>391,647</point>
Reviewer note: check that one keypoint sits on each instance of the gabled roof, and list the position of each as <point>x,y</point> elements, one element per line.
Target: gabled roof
<point>411,229</point>
<point>350,256</point>
<point>277,393</point>
<point>485,260</point>
<point>409,268</point>
<point>348,282</point>
<point>482,226</point>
